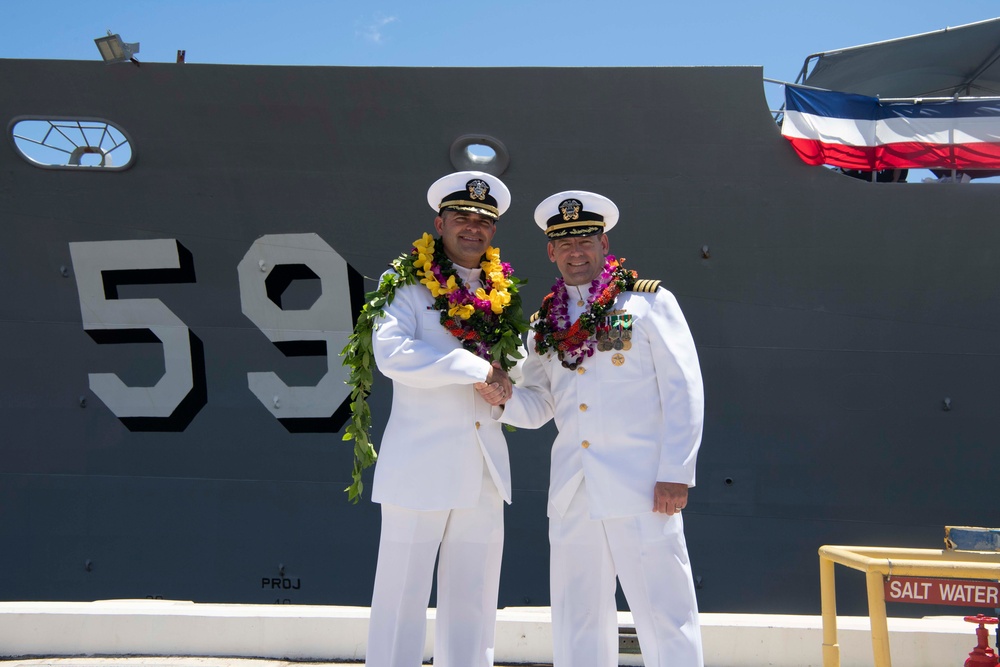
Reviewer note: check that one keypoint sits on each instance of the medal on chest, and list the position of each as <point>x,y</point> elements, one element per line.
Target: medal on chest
<point>614,332</point>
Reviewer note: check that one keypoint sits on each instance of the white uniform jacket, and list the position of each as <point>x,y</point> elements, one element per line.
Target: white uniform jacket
<point>626,418</point>
<point>440,429</point>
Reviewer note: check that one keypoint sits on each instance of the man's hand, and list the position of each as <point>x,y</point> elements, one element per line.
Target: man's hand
<point>669,497</point>
<point>497,388</point>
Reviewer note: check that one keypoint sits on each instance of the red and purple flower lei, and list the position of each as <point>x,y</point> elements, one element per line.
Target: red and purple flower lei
<point>576,341</point>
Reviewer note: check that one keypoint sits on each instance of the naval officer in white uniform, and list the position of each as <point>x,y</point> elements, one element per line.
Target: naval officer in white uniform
<point>443,472</point>
<point>612,360</point>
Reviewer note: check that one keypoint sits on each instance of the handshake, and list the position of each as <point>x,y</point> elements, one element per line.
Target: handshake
<point>497,388</point>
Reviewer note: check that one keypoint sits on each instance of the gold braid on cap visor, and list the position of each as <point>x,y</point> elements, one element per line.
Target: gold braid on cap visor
<point>580,223</point>
<point>470,204</point>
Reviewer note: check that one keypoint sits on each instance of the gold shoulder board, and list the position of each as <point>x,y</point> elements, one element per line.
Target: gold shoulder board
<point>646,286</point>
<point>533,318</point>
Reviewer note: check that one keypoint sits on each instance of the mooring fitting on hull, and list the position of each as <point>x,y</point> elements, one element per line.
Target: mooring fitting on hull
<point>982,655</point>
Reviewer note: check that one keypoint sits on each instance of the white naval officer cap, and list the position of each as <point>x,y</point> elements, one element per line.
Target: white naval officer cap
<point>575,213</point>
<point>474,191</point>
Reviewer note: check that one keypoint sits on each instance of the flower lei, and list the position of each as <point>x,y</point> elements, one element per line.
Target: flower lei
<point>489,323</point>
<point>576,341</point>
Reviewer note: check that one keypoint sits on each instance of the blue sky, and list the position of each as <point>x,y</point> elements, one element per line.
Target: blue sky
<point>777,36</point>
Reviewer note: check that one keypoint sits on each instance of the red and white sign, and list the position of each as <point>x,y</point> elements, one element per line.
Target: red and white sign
<point>957,592</point>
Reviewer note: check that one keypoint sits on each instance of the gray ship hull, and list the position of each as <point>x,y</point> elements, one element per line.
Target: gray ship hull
<point>833,319</point>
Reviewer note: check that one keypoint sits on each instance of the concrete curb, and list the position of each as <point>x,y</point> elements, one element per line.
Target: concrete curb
<point>157,628</point>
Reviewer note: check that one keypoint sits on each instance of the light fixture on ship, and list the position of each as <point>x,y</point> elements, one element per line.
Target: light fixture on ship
<point>114,50</point>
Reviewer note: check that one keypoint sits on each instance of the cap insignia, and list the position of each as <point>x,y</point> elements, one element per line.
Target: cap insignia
<point>570,209</point>
<point>478,189</point>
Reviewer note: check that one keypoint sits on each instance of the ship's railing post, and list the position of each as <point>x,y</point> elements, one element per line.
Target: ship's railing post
<point>828,597</point>
<point>879,622</point>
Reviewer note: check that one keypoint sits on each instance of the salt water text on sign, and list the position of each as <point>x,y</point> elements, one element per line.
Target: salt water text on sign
<point>959,592</point>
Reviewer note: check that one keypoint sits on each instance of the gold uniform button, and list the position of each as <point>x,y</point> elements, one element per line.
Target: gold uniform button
<point>477,425</point>
<point>583,407</point>
<point>581,370</point>
<point>585,444</point>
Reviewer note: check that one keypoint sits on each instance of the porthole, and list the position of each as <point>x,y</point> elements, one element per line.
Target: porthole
<point>479,152</point>
<point>72,143</point>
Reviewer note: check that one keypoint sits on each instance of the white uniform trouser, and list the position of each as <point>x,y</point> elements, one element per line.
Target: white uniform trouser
<point>649,556</point>
<point>468,582</point>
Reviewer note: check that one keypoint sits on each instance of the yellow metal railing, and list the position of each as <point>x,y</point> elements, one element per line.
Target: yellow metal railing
<point>879,562</point>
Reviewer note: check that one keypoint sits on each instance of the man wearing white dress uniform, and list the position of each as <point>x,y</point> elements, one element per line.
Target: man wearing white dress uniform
<point>612,360</point>
<point>443,472</point>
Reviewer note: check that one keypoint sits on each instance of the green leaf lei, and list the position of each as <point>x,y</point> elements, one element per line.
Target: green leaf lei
<point>498,335</point>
